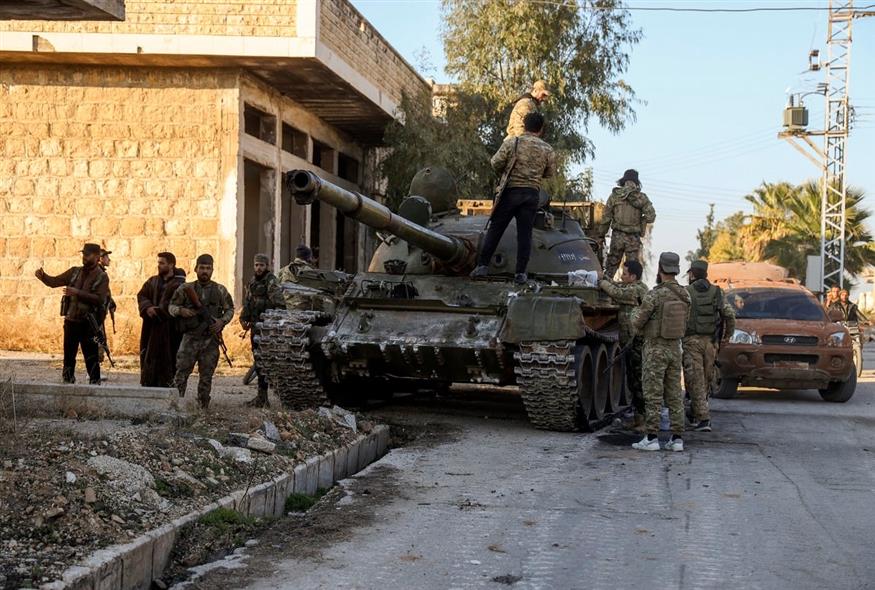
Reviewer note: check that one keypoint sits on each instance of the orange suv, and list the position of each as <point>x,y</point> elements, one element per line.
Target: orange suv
<point>783,339</point>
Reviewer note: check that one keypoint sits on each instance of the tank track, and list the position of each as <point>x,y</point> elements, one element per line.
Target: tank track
<point>283,356</point>
<point>545,373</point>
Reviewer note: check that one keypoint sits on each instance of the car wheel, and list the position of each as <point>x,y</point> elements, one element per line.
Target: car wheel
<point>858,359</point>
<point>840,391</point>
<point>726,388</point>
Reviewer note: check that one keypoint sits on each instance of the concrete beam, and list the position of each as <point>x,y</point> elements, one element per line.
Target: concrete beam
<point>53,399</point>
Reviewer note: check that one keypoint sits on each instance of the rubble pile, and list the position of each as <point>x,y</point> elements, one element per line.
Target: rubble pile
<point>67,489</point>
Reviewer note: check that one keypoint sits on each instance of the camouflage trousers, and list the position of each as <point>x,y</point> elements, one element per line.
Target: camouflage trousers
<point>200,350</point>
<point>621,243</point>
<point>698,352</point>
<point>662,384</point>
<point>634,364</point>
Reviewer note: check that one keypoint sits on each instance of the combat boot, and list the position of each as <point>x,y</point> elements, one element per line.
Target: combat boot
<point>260,400</point>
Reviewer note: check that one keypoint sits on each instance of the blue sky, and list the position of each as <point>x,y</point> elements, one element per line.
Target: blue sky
<point>714,87</point>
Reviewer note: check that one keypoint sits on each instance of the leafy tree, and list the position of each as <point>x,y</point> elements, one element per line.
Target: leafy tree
<point>497,48</point>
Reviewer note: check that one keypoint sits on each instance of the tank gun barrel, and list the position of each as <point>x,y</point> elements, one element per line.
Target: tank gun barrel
<point>306,187</point>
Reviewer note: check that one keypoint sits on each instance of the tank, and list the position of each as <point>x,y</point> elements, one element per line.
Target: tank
<point>415,319</point>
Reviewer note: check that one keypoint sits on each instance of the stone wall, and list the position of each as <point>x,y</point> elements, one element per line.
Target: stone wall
<point>253,18</point>
<point>345,31</point>
<point>140,160</point>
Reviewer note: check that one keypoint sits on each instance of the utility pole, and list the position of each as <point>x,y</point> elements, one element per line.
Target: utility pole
<point>832,159</point>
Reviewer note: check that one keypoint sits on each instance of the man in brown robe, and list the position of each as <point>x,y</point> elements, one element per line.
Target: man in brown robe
<point>160,337</point>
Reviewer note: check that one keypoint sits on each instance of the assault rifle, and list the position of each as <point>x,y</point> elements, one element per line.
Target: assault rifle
<point>99,336</point>
<point>204,314</point>
<point>620,354</point>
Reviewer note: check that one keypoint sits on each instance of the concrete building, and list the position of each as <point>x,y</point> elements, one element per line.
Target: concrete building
<point>171,130</point>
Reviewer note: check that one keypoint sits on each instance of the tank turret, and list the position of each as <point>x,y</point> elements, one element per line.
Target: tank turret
<point>455,252</point>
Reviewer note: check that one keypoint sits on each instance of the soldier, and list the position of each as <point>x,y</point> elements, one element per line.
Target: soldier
<point>104,262</point>
<point>849,310</point>
<point>628,294</point>
<point>263,293</point>
<point>86,289</point>
<point>627,213</point>
<point>710,315</point>
<point>160,336</point>
<point>303,261</point>
<point>523,162</point>
<point>662,319</point>
<point>525,104</point>
<point>205,308</point>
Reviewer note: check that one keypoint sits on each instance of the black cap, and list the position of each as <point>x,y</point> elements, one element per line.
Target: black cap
<point>105,252</point>
<point>91,249</point>
<point>304,252</point>
<point>629,174</point>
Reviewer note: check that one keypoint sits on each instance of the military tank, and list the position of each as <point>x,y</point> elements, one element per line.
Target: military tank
<point>416,319</point>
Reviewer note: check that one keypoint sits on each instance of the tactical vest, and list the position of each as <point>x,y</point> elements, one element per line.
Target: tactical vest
<point>83,307</point>
<point>211,299</point>
<point>669,319</point>
<point>627,216</point>
<point>258,295</point>
<point>704,311</point>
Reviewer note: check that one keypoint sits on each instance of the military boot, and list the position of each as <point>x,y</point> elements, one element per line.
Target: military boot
<point>260,400</point>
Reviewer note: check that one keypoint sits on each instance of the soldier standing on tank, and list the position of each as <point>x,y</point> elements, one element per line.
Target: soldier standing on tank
<point>662,319</point>
<point>200,337</point>
<point>627,214</point>
<point>529,102</point>
<point>86,289</point>
<point>262,293</point>
<point>709,312</point>
<point>523,163</point>
<point>303,261</point>
<point>628,294</point>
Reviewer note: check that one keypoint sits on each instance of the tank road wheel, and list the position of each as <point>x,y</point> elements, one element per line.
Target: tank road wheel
<point>548,375</point>
<point>601,383</point>
<point>617,373</point>
<point>284,355</point>
<point>585,381</point>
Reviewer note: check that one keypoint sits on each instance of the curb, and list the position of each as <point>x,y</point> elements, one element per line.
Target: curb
<point>134,565</point>
<point>49,399</point>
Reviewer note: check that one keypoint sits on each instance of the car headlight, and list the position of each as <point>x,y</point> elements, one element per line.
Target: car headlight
<point>836,339</point>
<point>742,337</point>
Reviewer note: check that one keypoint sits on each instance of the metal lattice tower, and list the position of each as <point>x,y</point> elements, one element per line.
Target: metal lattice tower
<point>837,125</point>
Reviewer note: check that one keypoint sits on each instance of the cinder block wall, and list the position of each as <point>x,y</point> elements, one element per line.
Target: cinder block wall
<point>139,160</point>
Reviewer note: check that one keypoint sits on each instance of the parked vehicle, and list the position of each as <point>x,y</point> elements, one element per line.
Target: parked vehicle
<point>783,339</point>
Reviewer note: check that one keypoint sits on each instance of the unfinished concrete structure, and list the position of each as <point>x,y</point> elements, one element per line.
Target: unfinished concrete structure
<point>63,9</point>
<point>171,130</point>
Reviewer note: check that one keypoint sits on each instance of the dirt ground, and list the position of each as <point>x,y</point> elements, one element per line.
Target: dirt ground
<point>71,485</point>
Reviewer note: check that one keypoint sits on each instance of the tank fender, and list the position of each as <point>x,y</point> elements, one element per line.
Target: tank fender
<point>535,318</point>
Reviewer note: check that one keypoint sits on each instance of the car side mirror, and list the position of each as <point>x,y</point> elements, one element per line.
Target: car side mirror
<point>835,315</point>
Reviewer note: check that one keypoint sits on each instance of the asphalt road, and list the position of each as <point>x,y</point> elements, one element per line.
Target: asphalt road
<point>779,496</point>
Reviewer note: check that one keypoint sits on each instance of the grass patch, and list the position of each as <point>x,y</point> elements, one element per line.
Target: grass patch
<point>225,518</point>
<point>303,502</point>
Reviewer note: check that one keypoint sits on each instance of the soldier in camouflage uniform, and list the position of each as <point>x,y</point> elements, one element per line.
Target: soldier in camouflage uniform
<point>627,213</point>
<point>262,293</point>
<point>200,338</point>
<point>629,294</point>
<point>709,313</point>
<point>523,163</point>
<point>527,103</point>
<point>662,319</point>
<point>289,274</point>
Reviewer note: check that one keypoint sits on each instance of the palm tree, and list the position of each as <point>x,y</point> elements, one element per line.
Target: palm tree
<point>785,227</point>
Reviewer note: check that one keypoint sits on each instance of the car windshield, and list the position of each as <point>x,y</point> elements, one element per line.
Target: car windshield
<point>778,304</point>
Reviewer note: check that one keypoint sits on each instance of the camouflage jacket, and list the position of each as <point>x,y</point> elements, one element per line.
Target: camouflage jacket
<point>628,296</point>
<point>261,294</point>
<point>523,106</point>
<point>290,272</point>
<point>535,160</point>
<point>628,210</point>
<point>213,296</point>
<point>647,318</point>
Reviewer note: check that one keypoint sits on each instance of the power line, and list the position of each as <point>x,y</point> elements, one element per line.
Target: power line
<point>691,9</point>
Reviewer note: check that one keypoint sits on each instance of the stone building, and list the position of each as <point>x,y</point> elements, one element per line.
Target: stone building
<point>170,130</point>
